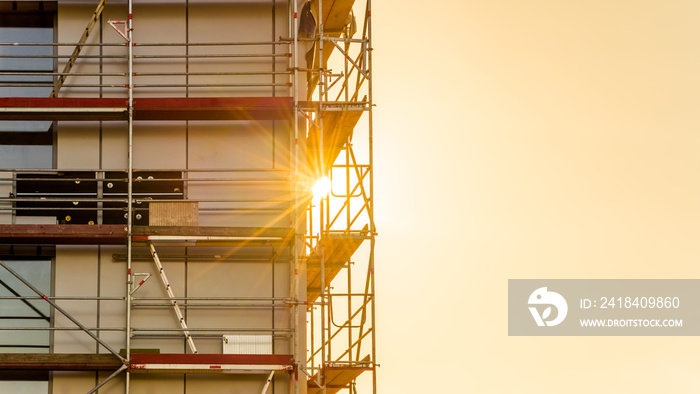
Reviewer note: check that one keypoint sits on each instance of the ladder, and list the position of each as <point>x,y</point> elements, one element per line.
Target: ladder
<point>173,301</point>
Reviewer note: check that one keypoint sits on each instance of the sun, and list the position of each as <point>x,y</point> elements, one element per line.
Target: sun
<point>321,188</point>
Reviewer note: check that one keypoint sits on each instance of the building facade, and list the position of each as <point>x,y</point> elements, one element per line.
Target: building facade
<point>158,230</point>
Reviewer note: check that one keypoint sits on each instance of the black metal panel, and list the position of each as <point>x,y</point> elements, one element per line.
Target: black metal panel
<point>41,192</point>
<point>148,185</point>
<point>74,185</point>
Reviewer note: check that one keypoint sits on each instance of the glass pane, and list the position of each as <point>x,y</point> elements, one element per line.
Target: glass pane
<point>26,157</point>
<point>27,313</point>
<point>28,60</point>
<point>24,387</point>
<point>26,65</point>
<point>29,126</point>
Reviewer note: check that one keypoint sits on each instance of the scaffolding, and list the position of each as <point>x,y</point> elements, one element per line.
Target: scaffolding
<point>342,231</point>
<point>324,94</point>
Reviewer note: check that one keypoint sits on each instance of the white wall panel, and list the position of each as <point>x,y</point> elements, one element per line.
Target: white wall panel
<point>157,384</point>
<point>114,145</point>
<point>114,386</point>
<point>65,382</point>
<point>159,145</point>
<point>233,22</point>
<point>76,275</point>
<point>78,145</point>
<point>112,284</point>
<point>159,23</point>
<point>218,279</point>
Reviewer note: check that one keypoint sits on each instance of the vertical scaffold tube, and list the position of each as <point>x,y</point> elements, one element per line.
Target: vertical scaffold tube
<point>296,245</point>
<point>373,229</point>
<point>322,95</point>
<point>322,167</point>
<point>130,191</point>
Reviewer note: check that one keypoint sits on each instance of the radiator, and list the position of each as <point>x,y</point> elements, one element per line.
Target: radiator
<point>247,344</point>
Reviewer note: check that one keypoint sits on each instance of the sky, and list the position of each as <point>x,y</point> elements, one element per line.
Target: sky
<point>531,139</point>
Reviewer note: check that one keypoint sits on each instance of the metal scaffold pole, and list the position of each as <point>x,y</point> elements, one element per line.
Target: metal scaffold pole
<point>322,172</point>
<point>373,229</point>
<point>294,288</point>
<point>130,190</point>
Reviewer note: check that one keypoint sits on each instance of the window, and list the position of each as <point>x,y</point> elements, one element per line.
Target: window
<point>26,314</point>
<point>26,144</point>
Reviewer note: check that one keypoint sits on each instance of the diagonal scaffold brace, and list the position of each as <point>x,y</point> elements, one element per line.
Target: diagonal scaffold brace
<point>107,379</point>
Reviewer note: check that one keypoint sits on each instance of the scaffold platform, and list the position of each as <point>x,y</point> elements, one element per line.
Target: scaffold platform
<point>338,249</point>
<point>115,234</point>
<point>338,377</point>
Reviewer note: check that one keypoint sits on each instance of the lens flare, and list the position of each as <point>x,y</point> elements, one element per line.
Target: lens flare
<point>321,188</point>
